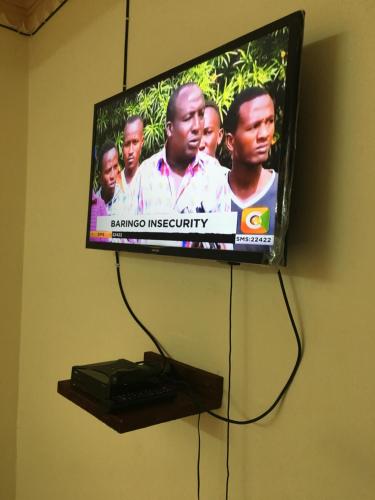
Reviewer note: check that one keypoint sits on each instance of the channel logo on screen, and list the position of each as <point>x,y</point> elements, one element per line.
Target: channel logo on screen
<point>255,220</point>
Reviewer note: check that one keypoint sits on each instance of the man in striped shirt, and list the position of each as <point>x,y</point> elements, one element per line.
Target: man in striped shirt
<point>180,178</point>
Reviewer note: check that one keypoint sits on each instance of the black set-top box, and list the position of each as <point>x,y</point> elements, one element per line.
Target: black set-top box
<point>121,383</point>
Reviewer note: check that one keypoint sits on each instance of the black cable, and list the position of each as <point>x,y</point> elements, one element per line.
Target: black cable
<point>291,376</point>
<point>127,19</point>
<point>148,333</point>
<point>199,458</point>
<point>227,462</point>
<point>229,379</point>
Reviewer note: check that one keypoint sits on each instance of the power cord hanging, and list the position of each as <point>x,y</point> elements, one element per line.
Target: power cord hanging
<point>229,380</point>
<point>133,315</point>
<point>199,457</point>
<point>127,21</point>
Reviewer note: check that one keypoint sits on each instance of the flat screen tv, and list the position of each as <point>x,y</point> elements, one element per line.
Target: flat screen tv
<point>198,161</point>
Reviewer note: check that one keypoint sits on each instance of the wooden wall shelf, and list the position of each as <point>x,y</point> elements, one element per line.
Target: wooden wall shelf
<point>207,388</point>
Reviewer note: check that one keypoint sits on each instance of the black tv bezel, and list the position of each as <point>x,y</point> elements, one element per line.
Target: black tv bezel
<point>295,24</point>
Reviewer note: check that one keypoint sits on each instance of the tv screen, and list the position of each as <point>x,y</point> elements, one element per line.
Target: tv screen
<point>198,161</point>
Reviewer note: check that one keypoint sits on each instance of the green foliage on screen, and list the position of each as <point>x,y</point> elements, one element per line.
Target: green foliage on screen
<point>260,63</point>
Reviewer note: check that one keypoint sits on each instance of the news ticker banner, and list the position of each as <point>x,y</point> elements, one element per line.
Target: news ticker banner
<point>255,222</point>
<point>224,223</point>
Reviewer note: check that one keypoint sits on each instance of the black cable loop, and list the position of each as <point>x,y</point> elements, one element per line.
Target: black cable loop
<point>290,379</point>
<point>166,362</point>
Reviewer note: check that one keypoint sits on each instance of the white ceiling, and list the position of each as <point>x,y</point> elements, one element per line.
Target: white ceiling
<point>26,16</point>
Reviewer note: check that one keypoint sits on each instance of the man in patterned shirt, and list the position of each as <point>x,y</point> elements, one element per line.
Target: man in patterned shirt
<point>180,178</point>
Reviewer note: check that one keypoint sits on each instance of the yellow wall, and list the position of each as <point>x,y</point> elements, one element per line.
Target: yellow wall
<point>13,113</point>
<point>320,444</point>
